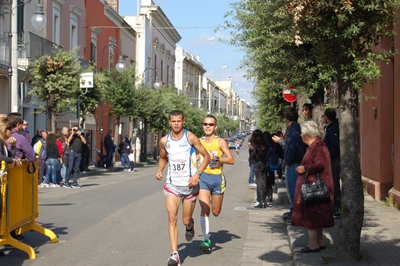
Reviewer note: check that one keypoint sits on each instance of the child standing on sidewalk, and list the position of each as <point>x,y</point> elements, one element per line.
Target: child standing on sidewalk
<point>131,157</point>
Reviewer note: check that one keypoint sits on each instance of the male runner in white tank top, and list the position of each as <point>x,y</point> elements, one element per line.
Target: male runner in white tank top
<point>183,176</point>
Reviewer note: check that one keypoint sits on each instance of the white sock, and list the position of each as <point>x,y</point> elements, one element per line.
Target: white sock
<point>205,226</point>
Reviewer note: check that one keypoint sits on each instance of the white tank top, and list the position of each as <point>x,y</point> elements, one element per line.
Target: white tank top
<point>182,158</point>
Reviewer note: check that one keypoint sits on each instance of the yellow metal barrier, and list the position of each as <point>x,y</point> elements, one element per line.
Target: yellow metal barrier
<point>19,205</point>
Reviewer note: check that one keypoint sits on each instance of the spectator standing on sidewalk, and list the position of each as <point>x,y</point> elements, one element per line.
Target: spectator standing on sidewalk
<point>36,137</point>
<point>52,162</point>
<point>179,148</point>
<point>259,155</point>
<point>294,152</point>
<point>307,111</point>
<point>319,215</point>
<point>85,154</point>
<point>65,146</point>
<point>137,149</point>
<point>212,180</point>
<point>251,181</point>
<point>109,146</point>
<point>127,138</point>
<point>5,139</point>
<point>332,142</point>
<point>25,131</point>
<point>131,157</point>
<point>42,152</point>
<point>75,141</point>
<point>123,150</point>
<point>22,148</point>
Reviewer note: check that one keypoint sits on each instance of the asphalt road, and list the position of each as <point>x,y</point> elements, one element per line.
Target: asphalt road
<point>119,218</point>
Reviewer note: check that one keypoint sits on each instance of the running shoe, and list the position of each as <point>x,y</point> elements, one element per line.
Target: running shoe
<point>206,246</point>
<point>190,232</point>
<point>174,260</point>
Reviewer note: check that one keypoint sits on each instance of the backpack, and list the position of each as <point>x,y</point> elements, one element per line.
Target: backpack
<point>42,152</point>
<point>273,161</point>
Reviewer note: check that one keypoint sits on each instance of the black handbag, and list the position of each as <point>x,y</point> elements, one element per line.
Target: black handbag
<point>315,192</point>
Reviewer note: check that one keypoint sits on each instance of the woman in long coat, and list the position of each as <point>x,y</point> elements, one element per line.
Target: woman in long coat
<point>315,216</point>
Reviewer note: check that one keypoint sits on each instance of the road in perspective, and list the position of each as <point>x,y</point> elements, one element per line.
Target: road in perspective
<point>119,218</point>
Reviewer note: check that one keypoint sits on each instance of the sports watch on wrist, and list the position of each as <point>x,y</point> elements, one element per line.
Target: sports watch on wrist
<point>199,172</point>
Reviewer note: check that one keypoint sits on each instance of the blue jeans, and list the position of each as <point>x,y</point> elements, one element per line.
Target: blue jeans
<point>74,160</point>
<point>251,174</point>
<point>291,179</point>
<point>53,165</point>
<point>63,172</point>
<point>125,161</point>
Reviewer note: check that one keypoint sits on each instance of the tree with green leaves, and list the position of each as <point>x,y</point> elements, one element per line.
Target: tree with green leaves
<point>118,90</point>
<point>311,44</point>
<point>55,80</point>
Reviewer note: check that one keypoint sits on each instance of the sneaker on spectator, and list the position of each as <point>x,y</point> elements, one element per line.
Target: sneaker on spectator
<point>66,186</point>
<point>44,185</point>
<point>174,260</point>
<point>129,170</point>
<point>83,172</point>
<point>75,186</point>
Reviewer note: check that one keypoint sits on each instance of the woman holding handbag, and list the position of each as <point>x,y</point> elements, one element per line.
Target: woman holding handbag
<point>317,215</point>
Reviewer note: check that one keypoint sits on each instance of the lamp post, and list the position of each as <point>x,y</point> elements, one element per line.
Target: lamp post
<point>38,22</point>
<point>120,66</point>
<point>156,84</point>
<point>101,148</point>
<point>143,128</point>
<point>206,40</point>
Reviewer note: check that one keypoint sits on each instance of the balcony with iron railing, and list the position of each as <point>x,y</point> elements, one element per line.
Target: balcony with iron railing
<point>37,47</point>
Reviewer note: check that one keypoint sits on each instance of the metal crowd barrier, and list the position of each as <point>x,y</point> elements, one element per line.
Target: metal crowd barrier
<point>19,205</point>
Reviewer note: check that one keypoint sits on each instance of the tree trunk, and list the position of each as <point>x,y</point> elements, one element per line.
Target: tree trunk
<point>352,196</point>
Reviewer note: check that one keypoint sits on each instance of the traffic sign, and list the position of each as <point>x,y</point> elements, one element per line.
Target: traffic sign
<point>288,94</point>
<point>86,80</point>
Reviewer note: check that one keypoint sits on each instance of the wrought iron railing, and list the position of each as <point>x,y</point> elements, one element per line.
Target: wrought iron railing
<point>39,46</point>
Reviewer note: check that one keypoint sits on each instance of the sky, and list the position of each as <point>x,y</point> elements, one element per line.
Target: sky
<point>195,21</point>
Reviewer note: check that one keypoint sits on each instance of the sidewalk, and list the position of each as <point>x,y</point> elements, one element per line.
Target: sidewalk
<point>380,236</point>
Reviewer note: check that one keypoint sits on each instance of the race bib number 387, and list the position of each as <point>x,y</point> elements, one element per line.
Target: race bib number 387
<point>179,167</point>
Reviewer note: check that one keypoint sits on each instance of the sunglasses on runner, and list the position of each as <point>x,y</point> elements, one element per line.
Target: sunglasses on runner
<point>208,124</point>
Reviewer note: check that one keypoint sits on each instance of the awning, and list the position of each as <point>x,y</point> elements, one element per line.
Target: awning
<point>69,120</point>
<point>90,122</point>
<point>66,120</point>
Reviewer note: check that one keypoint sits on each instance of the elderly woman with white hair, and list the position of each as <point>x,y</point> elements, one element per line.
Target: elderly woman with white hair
<point>314,216</point>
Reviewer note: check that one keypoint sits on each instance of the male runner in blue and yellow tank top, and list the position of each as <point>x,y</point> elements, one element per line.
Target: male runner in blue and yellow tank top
<point>212,180</point>
<point>182,182</point>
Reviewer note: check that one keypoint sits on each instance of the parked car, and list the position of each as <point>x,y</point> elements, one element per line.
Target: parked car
<point>231,142</point>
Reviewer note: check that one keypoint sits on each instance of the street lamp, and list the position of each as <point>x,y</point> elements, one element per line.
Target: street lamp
<point>206,40</point>
<point>157,83</point>
<point>120,66</point>
<point>38,22</point>
<point>101,147</point>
